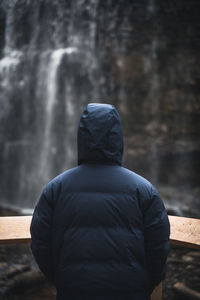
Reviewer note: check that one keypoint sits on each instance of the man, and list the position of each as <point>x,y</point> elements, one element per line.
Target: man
<point>100,231</point>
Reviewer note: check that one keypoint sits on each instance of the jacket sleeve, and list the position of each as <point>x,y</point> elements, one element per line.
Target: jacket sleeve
<point>41,234</point>
<point>156,238</point>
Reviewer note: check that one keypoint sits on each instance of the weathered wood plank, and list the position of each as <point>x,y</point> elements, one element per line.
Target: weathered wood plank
<point>15,229</point>
<point>185,232</point>
<point>157,293</point>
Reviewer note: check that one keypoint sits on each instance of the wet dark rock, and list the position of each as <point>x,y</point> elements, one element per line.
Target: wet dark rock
<point>194,254</point>
<point>25,280</point>
<point>13,270</point>
<point>18,271</point>
<point>3,265</point>
<point>183,267</point>
<point>185,292</point>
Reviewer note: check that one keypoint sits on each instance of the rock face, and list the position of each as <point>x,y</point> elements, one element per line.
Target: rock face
<point>56,56</point>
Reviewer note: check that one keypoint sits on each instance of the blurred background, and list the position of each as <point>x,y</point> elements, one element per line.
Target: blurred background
<point>140,55</point>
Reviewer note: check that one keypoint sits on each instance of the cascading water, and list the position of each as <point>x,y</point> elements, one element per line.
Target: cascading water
<point>41,92</point>
<point>56,56</point>
<point>51,101</point>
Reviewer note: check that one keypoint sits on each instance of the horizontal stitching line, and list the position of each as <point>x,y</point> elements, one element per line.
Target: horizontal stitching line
<point>99,192</point>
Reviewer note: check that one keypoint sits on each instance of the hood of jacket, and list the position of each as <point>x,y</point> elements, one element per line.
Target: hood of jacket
<point>100,137</point>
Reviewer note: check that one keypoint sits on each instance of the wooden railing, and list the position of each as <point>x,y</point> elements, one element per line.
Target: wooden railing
<point>185,232</point>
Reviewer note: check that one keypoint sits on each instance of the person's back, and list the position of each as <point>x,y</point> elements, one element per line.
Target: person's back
<point>100,231</point>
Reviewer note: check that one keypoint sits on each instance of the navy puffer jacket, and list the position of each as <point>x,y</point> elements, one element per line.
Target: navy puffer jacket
<point>100,231</point>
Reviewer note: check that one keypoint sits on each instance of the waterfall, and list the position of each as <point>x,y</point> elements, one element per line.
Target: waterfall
<point>51,100</point>
<point>40,73</point>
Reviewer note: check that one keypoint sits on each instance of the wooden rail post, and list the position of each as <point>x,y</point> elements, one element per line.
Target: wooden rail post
<point>185,232</point>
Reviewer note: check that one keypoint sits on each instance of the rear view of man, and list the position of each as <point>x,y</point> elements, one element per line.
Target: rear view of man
<point>100,231</point>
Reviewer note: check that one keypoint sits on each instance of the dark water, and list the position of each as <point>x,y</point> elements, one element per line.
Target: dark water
<point>141,56</point>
